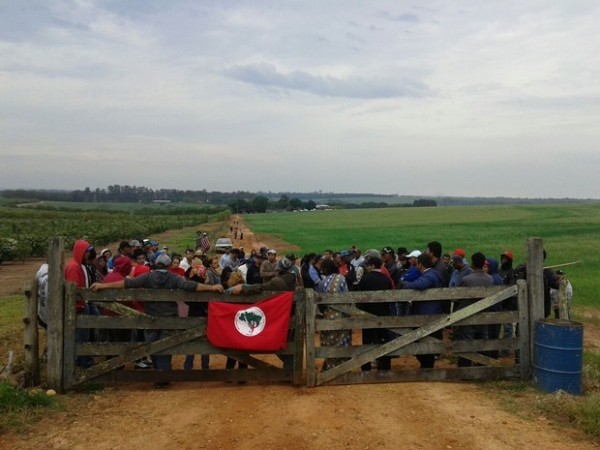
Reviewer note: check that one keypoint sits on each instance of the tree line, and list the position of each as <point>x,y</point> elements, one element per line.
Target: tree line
<point>238,201</point>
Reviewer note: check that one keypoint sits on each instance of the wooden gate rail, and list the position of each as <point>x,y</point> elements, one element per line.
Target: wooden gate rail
<point>414,335</point>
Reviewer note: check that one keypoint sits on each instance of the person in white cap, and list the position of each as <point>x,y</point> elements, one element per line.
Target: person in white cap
<point>413,272</point>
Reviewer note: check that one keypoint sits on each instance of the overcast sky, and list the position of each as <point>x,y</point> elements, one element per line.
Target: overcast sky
<point>494,98</point>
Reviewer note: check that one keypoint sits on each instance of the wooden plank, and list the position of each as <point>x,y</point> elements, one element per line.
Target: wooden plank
<point>418,348</point>
<point>30,334</point>
<point>54,313</point>
<point>247,359</point>
<point>168,295</point>
<point>409,295</point>
<point>427,375</point>
<point>435,325</point>
<point>535,285</point>
<point>140,322</point>
<point>299,320</point>
<point>69,335</point>
<point>271,375</point>
<point>484,318</point>
<point>523,331</point>
<point>311,312</point>
<point>481,359</point>
<point>139,352</point>
<point>122,310</point>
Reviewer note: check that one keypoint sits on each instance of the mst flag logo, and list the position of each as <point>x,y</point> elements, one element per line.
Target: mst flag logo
<point>250,322</point>
<point>261,326</point>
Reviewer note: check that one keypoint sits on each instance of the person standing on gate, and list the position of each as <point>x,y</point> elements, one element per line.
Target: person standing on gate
<point>430,278</point>
<point>333,283</point>
<point>479,277</point>
<point>434,249</point>
<point>268,269</point>
<point>160,278</point>
<point>375,280</point>
<point>79,271</point>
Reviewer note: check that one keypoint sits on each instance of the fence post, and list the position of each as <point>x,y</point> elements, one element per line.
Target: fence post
<point>523,329</point>
<point>535,285</point>
<point>69,325</point>
<point>55,313</point>
<point>299,315</point>
<point>30,335</point>
<point>311,312</point>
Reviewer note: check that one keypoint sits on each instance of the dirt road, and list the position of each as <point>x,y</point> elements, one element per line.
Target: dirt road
<point>278,416</point>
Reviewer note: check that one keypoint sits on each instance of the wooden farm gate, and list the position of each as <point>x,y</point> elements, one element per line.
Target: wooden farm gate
<point>413,335</point>
<point>420,334</point>
<point>187,336</point>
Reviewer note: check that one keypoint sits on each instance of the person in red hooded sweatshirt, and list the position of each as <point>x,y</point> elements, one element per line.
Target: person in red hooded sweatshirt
<point>79,271</point>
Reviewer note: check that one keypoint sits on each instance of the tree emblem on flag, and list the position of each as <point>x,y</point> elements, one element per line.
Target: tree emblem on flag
<point>250,322</point>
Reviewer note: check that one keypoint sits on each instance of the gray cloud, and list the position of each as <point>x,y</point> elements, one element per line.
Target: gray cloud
<point>91,89</point>
<point>267,75</point>
<point>405,17</point>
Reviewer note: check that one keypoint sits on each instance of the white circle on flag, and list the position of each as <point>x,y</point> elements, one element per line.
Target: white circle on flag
<point>250,322</point>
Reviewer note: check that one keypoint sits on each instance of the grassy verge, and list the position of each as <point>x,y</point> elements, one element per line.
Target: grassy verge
<point>19,408</point>
<point>582,412</point>
<point>11,330</point>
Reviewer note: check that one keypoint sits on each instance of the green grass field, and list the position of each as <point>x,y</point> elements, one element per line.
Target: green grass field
<point>570,233</point>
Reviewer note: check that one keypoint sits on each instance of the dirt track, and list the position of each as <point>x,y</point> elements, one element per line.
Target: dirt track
<point>220,415</point>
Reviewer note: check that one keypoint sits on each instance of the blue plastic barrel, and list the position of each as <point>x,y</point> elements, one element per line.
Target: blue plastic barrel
<point>558,355</point>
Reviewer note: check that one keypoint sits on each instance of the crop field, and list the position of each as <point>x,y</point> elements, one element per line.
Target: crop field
<point>24,232</point>
<point>570,233</point>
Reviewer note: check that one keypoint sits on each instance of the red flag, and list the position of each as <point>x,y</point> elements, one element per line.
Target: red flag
<point>261,326</point>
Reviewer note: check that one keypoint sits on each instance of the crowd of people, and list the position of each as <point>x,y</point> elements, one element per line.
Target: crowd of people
<point>143,263</point>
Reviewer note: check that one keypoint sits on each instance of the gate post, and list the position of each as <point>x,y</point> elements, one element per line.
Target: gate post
<point>69,325</point>
<point>55,311</point>
<point>535,285</point>
<point>30,335</point>
<point>311,312</point>
<point>299,329</point>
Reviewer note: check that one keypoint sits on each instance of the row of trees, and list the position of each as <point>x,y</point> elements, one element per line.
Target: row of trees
<point>261,203</point>
<point>239,201</point>
<point>125,194</point>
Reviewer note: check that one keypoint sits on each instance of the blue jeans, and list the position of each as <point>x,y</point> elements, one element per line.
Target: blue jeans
<point>83,335</point>
<point>188,364</point>
<point>161,362</point>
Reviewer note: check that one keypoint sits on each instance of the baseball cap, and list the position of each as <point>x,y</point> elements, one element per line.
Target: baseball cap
<point>459,252</point>
<point>271,251</point>
<point>284,265</point>
<point>163,260</point>
<point>414,254</point>
<point>508,254</point>
<point>372,253</point>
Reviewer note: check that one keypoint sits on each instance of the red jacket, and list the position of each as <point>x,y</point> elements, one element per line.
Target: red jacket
<point>75,270</point>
